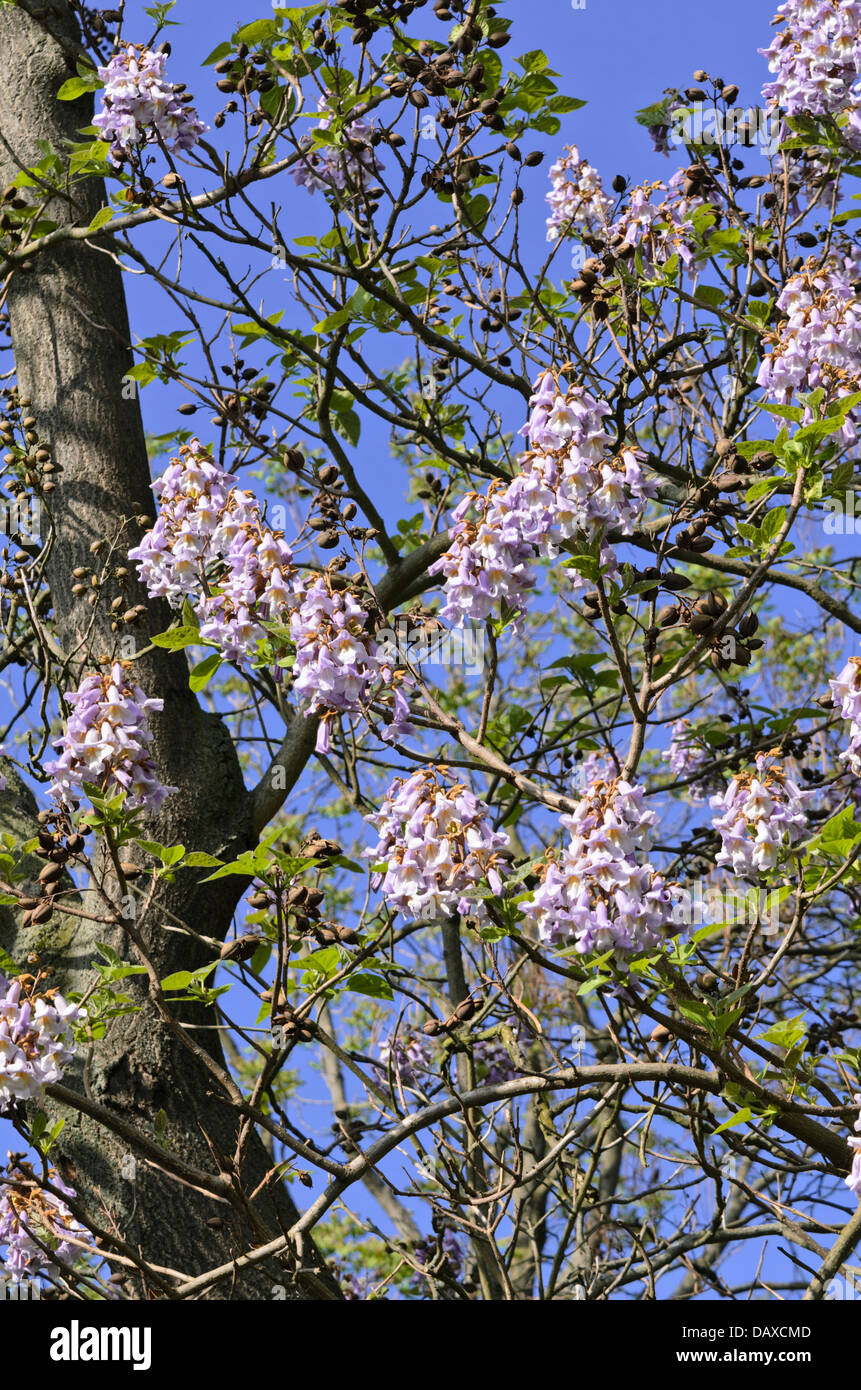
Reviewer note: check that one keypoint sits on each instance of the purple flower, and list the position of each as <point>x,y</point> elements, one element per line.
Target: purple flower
<point>141,107</point>
<point>211,546</point>
<point>816,61</point>
<point>686,756</point>
<point>36,1040</point>
<point>569,485</point>
<point>436,839</point>
<point>32,1218</point>
<point>406,1057</point>
<point>598,891</point>
<point>658,227</point>
<point>819,341</point>
<point>106,741</point>
<point>443,1252</point>
<point>346,168</point>
<point>846,690</point>
<point>763,815</point>
<point>576,197</point>
<point>854,1179</point>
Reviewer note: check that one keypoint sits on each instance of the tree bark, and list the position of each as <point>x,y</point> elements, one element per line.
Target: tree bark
<point>70,339</point>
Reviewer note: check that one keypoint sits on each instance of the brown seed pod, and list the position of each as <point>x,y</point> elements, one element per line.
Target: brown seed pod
<point>41,914</point>
<point>748,624</point>
<point>701,623</point>
<point>668,616</point>
<point>242,948</point>
<point>50,872</point>
<point>433,1028</point>
<point>130,870</point>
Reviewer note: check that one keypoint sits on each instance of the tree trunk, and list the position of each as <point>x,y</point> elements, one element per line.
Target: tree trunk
<point>71,344</point>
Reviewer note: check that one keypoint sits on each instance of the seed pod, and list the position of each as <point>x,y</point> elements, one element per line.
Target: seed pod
<point>701,75</point>
<point>242,948</point>
<point>28,903</point>
<point>258,901</point>
<point>729,93</point>
<point>701,544</point>
<point>742,655</point>
<point>43,913</point>
<point>75,844</point>
<point>713,603</point>
<point>724,446</point>
<point>620,183</point>
<point>755,643</point>
<point>329,473</point>
<point>129,870</point>
<point>695,94</point>
<point>669,616</point>
<point>701,623</point>
<point>50,872</point>
<point>676,582</point>
<point>748,624</point>
<point>499,40</point>
<point>347,936</point>
<point>466,1009</point>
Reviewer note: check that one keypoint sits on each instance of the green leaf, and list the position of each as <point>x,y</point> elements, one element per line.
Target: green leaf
<point>740,1118</point>
<point>75,87</point>
<point>203,672</point>
<point>710,296</point>
<point>102,217</point>
<point>257,31</point>
<point>200,860</point>
<point>180,979</point>
<point>217,54</point>
<point>176,638</point>
<point>772,523</point>
<point>374,986</point>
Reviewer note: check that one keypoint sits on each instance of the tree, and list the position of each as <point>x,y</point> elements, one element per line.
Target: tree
<point>517,829</point>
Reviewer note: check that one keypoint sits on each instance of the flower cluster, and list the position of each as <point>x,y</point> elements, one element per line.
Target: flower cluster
<point>819,341</point>
<point>576,197</point>
<point>762,813</point>
<point>686,757</point>
<point>406,1057</point>
<point>567,485</point>
<point>493,1060</point>
<point>336,656</point>
<point>338,168</point>
<point>33,1222</point>
<point>816,61</point>
<point>443,1254</point>
<point>846,690</point>
<point>106,741</point>
<point>211,546</point>
<point>854,1179</point>
<point>36,1040</point>
<point>598,892</point>
<point>658,228</point>
<point>436,840</point>
<point>140,107</point>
